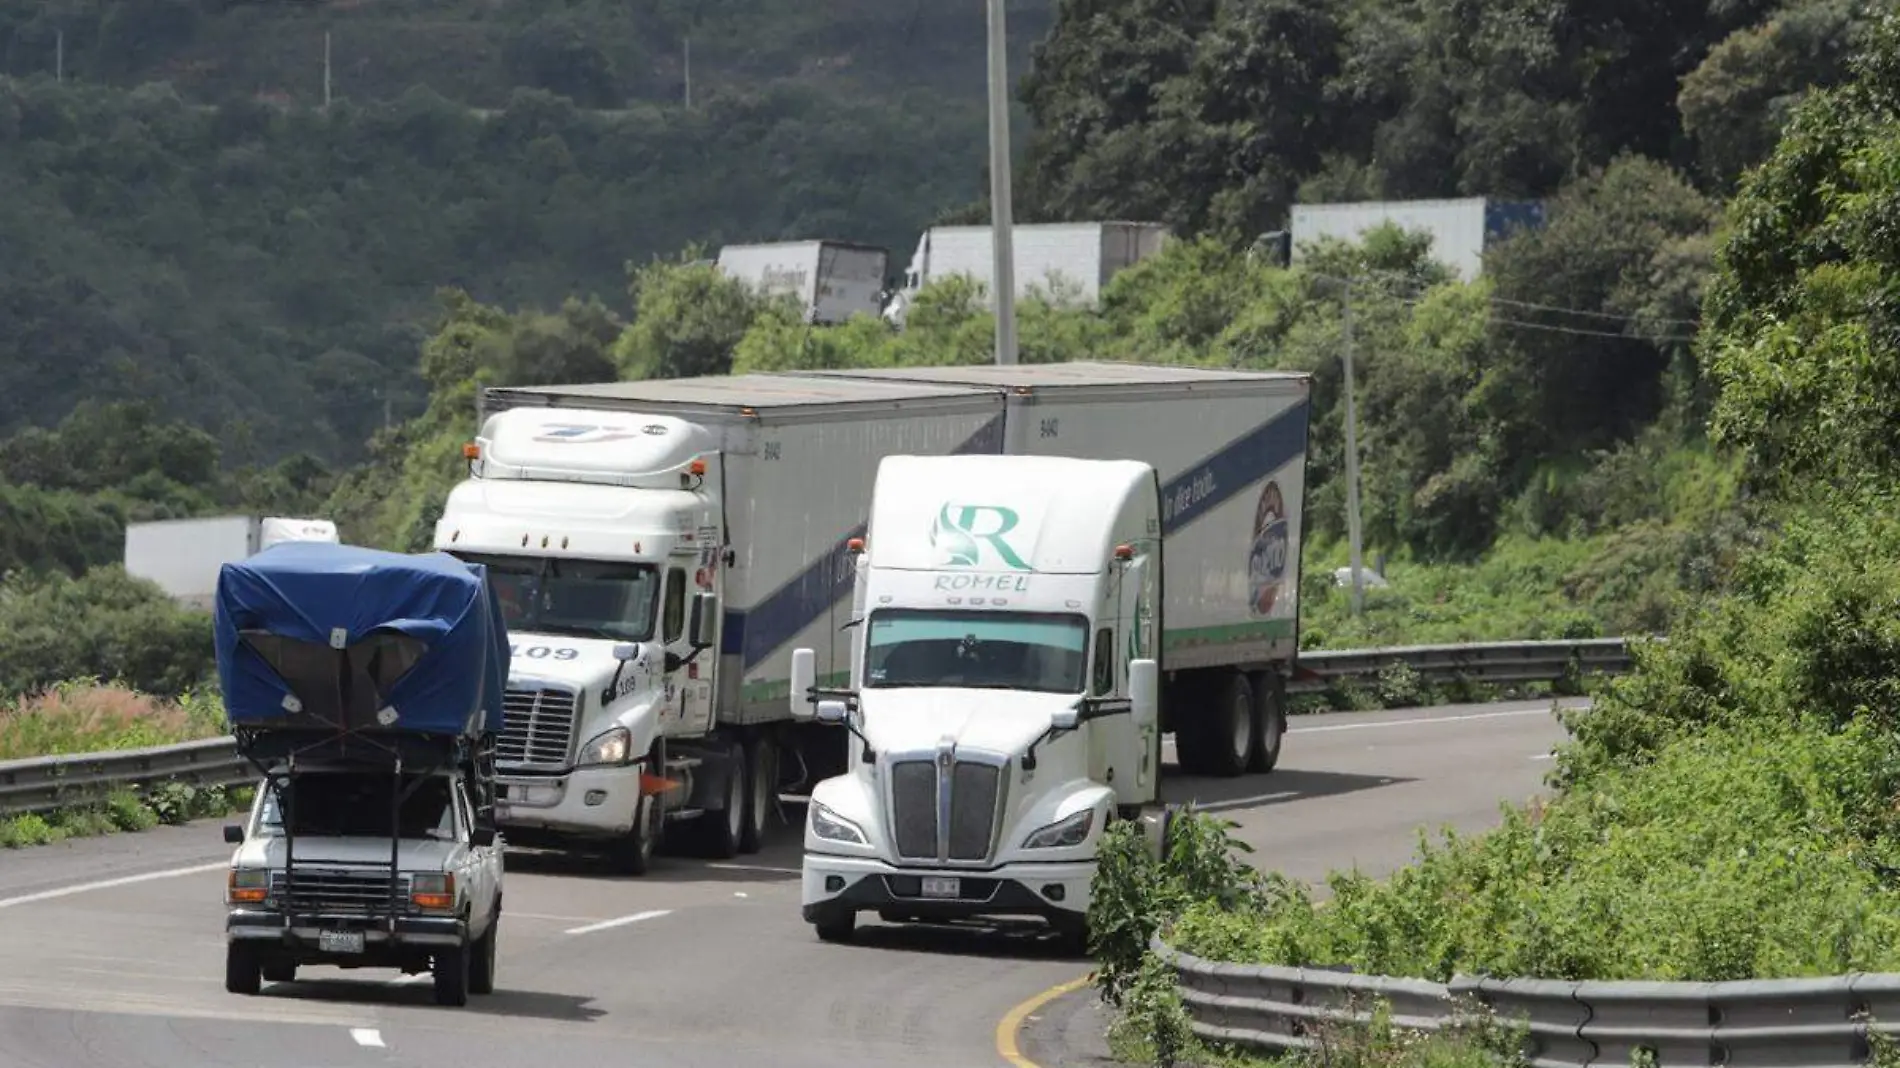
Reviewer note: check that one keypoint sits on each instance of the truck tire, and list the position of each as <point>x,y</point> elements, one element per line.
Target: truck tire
<point>1269,698</point>
<point>633,853</point>
<point>481,969</point>
<point>722,830</point>
<point>280,972</point>
<point>243,972</point>
<point>1221,739</point>
<point>836,926</point>
<point>451,976</point>
<point>761,777</point>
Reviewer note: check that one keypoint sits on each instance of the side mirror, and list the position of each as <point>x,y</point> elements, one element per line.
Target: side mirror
<point>1144,692</point>
<point>481,837</point>
<point>705,617</point>
<point>233,834</point>
<point>804,677</point>
<point>1065,719</point>
<point>832,713</point>
<point>626,652</point>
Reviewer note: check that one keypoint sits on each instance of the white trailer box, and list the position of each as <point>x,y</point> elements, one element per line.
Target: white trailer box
<point>1230,450</point>
<point>831,280</point>
<point>183,555</point>
<point>1460,229</point>
<point>1071,260</point>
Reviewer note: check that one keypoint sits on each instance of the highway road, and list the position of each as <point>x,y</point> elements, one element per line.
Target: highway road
<point>111,950</point>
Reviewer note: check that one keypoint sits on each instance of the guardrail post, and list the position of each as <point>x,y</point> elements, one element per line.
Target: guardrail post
<point>1546,1009</point>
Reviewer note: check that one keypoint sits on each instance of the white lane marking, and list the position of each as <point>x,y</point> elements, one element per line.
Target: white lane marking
<point>1543,756</point>
<point>1243,802</point>
<point>107,884</point>
<point>621,922</point>
<point>367,1036</point>
<point>552,917</point>
<point>1420,719</point>
<point>419,977</point>
<point>755,867</point>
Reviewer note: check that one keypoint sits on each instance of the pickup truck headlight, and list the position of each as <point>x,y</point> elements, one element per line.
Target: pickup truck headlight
<point>609,747</point>
<point>1063,833</point>
<point>247,886</point>
<point>433,890</point>
<point>832,827</point>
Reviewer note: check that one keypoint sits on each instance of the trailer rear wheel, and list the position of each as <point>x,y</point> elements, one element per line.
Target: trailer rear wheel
<point>243,972</point>
<point>1221,738</point>
<point>761,776</point>
<point>1269,692</point>
<point>452,976</point>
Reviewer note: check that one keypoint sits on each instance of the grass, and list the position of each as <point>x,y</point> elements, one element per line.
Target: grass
<point>124,811</point>
<point>84,716</point>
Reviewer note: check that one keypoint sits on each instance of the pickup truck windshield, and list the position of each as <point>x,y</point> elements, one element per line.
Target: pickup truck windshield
<point>356,805</point>
<point>578,598</point>
<point>1043,652</point>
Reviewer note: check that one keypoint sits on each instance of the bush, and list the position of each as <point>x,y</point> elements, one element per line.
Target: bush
<point>105,624</point>
<point>81,717</point>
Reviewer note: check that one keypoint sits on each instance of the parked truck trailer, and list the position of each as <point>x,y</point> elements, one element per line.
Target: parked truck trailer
<point>1229,447</point>
<point>658,549</point>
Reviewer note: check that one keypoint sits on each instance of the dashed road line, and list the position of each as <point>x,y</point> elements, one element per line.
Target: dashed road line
<point>108,884</point>
<point>622,921</point>
<point>367,1036</point>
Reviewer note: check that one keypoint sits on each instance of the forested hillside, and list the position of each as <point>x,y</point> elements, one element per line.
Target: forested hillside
<point>280,279</point>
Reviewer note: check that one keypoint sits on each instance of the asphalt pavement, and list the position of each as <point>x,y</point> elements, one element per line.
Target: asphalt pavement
<point>111,949</point>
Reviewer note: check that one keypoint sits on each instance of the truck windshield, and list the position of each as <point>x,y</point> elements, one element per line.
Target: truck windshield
<point>1044,652</point>
<point>356,805</point>
<point>578,598</point>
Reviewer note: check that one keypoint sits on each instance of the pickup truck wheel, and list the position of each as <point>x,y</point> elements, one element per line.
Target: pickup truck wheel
<point>761,776</point>
<point>838,926</point>
<point>451,976</point>
<point>282,972</point>
<point>243,973</point>
<point>481,972</point>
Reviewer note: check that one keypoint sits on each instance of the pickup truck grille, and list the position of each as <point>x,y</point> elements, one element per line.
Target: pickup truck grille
<point>332,891</point>
<point>975,793</point>
<point>538,730</point>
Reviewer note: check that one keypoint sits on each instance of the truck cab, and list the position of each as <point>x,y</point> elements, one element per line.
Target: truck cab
<point>427,898</point>
<point>1003,699</point>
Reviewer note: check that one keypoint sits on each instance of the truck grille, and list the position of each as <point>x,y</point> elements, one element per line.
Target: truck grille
<point>975,789</point>
<point>538,730</point>
<point>330,890</point>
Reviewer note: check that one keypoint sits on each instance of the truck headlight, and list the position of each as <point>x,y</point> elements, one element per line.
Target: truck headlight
<point>247,886</point>
<point>433,890</point>
<point>1063,833</point>
<point>609,747</point>
<point>832,827</point>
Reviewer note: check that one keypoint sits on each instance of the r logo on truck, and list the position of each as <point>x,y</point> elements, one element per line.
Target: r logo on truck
<point>1266,565</point>
<point>960,530</point>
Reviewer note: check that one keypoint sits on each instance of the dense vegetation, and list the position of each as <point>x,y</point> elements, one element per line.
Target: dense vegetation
<point>1727,811</point>
<point>223,290</point>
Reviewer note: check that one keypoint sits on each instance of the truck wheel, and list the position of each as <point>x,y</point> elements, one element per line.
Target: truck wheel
<point>837,926</point>
<point>721,831</point>
<point>633,854</point>
<point>1072,935</point>
<point>1222,742</point>
<point>761,775</point>
<point>243,973</point>
<point>481,970</point>
<point>451,976</point>
<point>1269,691</point>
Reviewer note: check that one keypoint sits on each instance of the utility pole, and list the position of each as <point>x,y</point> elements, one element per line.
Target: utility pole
<point>1001,221</point>
<point>688,41</point>
<point>59,55</point>
<point>326,70</point>
<point>1352,462</point>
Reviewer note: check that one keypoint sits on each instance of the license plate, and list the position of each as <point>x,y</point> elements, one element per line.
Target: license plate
<point>941,887</point>
<point>340,941</point>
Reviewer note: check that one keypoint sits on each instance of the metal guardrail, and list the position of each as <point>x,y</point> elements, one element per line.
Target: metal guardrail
<point>49,783</point>
<point>1788,1023</point>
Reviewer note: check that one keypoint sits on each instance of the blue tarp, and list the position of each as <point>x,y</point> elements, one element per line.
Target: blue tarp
<point>419,634</point>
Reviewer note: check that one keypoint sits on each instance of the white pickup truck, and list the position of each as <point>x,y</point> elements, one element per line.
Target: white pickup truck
<point>425,899</point>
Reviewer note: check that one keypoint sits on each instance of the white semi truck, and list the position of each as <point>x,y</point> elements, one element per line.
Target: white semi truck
<point>658,548</point>
<point>831,280</point>
<point>1026,625</point>
<point>1079,256</point>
